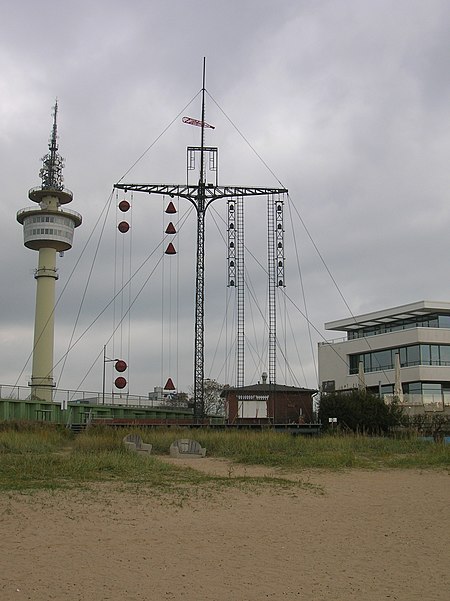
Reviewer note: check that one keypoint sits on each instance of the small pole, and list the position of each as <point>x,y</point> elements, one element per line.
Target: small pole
<point>104,374</point>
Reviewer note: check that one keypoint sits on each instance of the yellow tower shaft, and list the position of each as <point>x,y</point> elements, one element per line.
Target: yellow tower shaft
<point>42,371</point>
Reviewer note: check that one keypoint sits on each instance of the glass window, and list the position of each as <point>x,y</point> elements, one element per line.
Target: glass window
<point>382,360</point>
<point>431,388</point>
<point>444,321</point>
<point>354,360</point>
<point>414,387</point>
<point>403,357</point>
<point>387,389</point>
<point>425,356</point>
<point>413,355</point>
<point>445,355</point>
<point>433,321</point>
<point>446,394</point>
<point>434,348</point>
<point>431,393</point>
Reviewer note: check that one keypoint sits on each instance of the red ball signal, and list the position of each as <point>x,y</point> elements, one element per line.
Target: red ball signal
<point>120,382</point>
<point>120,365</point>
<point>124,206</point>
<point>123,227</point>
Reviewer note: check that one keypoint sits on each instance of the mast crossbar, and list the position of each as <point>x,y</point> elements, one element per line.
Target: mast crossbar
<point>192,193</point>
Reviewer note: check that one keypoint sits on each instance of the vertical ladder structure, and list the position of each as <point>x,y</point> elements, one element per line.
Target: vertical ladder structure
<point>275,269</point>
<point>272,310</point>
<point>240,363</point>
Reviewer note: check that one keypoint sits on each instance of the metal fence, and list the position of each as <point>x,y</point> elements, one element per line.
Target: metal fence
<point>63,397</point>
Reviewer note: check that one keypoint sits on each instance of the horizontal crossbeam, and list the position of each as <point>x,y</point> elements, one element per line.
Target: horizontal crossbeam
<point>192,193</point>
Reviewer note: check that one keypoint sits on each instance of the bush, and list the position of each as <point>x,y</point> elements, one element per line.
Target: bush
<point>359,411</point>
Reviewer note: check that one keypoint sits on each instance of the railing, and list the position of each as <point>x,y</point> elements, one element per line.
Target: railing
<point>333,341</point>
<point>431,402</point>
<point>37,210</point>
<point>50,190</point>
<point>64,396</point>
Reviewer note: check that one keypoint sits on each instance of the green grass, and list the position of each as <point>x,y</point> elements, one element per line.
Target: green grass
<point>52,458</point>
<point>78,468</point>
<point>276,449</point>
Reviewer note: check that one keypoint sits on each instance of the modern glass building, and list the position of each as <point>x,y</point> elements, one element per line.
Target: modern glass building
<point>406,346</point>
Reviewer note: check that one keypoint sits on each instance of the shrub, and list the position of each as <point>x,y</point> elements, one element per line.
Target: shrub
<point>359,411</point>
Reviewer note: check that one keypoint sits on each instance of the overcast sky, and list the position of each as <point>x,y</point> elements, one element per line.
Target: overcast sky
<point>347,103</point>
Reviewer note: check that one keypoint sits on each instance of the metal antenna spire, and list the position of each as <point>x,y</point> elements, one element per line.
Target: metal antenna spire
<point>201,196</point>
<point>52,162</point>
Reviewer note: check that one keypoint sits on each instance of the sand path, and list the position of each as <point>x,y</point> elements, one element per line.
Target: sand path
<point>357,536</point>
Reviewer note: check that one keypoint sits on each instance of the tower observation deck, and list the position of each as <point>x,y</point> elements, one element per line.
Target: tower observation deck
<point>47,228</point>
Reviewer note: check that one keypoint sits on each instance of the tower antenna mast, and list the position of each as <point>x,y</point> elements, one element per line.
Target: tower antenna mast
<point>201,195</point>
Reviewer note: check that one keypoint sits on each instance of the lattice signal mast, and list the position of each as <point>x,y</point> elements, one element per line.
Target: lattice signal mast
<point>201,196</point>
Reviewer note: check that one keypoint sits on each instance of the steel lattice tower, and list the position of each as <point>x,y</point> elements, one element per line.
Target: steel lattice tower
<point>201,196</point>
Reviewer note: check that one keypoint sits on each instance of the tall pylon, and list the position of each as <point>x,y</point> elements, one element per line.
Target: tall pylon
<point>47,229</point>
<point>201,195</point>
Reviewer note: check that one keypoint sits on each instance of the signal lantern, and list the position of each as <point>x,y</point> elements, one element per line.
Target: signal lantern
<point>120,365</point>
<point>120,382</point>
<point>171,208</point>
<point>123,227</point>
<point>124,206</point>
<point>169,385</point>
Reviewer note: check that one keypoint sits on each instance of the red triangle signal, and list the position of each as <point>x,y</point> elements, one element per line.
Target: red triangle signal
<point>169,385</point>
<point>171,208</point>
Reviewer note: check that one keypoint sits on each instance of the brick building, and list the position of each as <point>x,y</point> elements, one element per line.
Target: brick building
<point>268,403</point>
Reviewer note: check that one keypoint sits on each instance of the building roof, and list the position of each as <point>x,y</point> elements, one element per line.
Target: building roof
<point>391,315</point>
<point>265,387</point>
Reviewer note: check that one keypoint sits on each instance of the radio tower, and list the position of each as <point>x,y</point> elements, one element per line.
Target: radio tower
<point>201,196</point>
<point>47,228</point>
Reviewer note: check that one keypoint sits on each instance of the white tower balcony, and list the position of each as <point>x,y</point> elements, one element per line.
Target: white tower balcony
<point>48,227</point>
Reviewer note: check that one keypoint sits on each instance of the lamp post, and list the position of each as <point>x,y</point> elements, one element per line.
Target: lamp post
<point>120,366</point>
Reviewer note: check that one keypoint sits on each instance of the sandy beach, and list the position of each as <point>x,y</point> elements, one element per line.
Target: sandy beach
<point>349,535</point>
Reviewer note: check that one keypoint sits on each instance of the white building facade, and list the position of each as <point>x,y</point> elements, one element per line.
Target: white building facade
<point>416,337</point>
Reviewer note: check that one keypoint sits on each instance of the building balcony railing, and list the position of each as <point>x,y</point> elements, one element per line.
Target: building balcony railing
<point>430,402</point>
<point>333,341</point>
<point>21,213</point>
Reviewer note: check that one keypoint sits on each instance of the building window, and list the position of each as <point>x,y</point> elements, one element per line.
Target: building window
<point>422,321</point>
<point>429,392</point>
<point>416,354</point>
<point>386,389</point>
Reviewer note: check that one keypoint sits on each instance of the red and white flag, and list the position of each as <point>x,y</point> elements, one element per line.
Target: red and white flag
<point>191,121</point>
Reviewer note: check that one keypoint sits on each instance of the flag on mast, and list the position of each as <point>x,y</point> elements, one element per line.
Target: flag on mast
<point>191,121</point>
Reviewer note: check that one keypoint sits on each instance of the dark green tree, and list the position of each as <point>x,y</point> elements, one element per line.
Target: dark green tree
<point>359,411</point>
